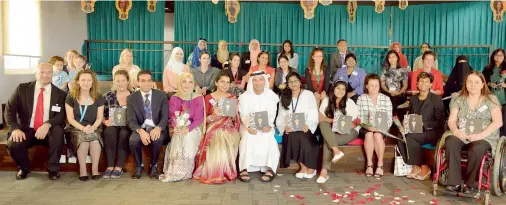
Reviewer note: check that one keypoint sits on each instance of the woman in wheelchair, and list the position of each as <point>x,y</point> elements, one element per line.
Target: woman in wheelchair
<point>474,122</point>
<point>431,107</point>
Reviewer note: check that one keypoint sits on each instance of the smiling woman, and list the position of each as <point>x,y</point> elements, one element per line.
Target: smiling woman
<point>21,38</point>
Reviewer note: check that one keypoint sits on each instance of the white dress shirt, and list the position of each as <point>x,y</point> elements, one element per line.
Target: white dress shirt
<point>47,101</point>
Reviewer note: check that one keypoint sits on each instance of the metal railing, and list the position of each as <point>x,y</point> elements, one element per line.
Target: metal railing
<point>369,57</point>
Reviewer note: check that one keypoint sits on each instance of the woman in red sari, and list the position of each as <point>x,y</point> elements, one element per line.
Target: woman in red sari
<point>218,149</point>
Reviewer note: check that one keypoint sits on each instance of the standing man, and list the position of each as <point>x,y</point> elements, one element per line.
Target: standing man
<point>35,114</point>
<point>147,115</point>
<point>337,58</point>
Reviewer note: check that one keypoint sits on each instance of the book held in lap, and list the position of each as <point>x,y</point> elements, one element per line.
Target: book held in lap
<point>342,124</point>
<point>380,120</point>
<point>413,123</point>
<point>260,120</point>
<point>297,121</point>
<point>475,126</point>
<point>118,116</point>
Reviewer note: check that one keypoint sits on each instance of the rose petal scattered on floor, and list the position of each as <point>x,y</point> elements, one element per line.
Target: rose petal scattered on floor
<point>325,193</point>
<point>276,186</point>
<point>299,197</point>
<point>347,192</point>
<point>397,190</point>
<point>411,201</point>
<point>422,193</point>
<point>397,198</point>
<point>275,190</point>
<point>284,193</point>
<point>291,196</point>
<point>317,193</point>
<point>336,201</point>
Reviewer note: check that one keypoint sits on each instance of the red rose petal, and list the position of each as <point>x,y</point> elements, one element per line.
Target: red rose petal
<point>397,190</point>
<point>363,202</point>
<point>317,193</point>
<point>284,193</point>
<point>414,187</point>
<point>377,185</point>
<point>369,199</point>
<point>299,197</point>
<point>404,198</point>
<point>359,173</point>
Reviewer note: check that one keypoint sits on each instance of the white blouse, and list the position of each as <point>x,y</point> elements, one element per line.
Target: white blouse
<point>351,109</point>
<point>306,104</point>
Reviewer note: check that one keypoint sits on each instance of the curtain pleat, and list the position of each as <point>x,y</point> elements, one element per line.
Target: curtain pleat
<point>447,24</point>
<point>141,25</point>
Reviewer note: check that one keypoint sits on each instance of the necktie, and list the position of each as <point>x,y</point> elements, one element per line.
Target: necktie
<point>39,111</point>
<point>342,60</point>
<point>147,107</point>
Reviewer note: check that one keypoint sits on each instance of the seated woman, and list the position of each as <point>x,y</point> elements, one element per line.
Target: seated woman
<point>353,75</point>
<point>85,110</point>
<point>220,59</point>
<point>215,161</point>
<point>173,70</point>
<point>126,63</point>
<point>299,144</point>
<point>249,58</point>
<point>289,52</point>
<point>264,60</point>
<point>336,104</point>
<point>456,79</point>
<point>429,58</point>
<point>318,75</point>
<point>394,79</point>
<point>186,114</point>
<point>236,74</point>
<point>369,104</point>
<point>475,102</point>
<point>116,137</point>
<point>193,59</point>
<point>430,107</point>
<point>281,73</point>
<point>204,75</point>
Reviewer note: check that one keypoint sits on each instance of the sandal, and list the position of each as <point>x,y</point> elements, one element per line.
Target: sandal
<point>268,176</point>
<point>242,176</point>
<point>377,175</point>
<point>413,175</point>
<point>368,174</point>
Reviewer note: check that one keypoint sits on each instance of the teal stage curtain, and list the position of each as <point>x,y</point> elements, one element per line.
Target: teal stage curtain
<point>141,25</point>
<point>439,24</point>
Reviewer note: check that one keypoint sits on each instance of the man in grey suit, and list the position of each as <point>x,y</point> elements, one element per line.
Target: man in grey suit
<point>337,58</point>
<point>148,115</point>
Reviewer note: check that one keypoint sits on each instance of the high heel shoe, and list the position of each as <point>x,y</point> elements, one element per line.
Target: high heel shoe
<point>421,178</point>
<point>368,174</point>
<point>377,175</point>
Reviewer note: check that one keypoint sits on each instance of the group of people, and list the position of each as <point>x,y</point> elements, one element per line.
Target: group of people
<point>205,141</point>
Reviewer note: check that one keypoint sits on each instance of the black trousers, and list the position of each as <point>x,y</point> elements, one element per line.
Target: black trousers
<point>475,152</point>
<point>136,148</point>
<point>116,145</point>
<point>414,141</point>
<point>54,140</point>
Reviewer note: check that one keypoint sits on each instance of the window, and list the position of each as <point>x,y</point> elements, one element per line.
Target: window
<point>21,39</point>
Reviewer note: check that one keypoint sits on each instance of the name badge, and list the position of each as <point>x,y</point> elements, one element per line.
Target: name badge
<point>55,108</point>
<point>247,61</point>
<point>482,108</point>
<point>354,73</point>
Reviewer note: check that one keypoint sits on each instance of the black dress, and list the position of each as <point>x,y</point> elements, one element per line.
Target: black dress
<point>71,133</point>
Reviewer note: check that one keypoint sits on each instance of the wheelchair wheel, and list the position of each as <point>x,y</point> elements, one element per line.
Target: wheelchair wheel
<point>439,160</point>
<point>498,184</point>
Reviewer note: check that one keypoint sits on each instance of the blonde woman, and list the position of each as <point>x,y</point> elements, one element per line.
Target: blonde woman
<point>69,60</point>
<point>220,59</point>
<point>126,63</point>
<point>85,111</point>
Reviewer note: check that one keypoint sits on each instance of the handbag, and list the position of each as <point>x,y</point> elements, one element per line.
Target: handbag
<point>400,168</point>
<point>80,134</point>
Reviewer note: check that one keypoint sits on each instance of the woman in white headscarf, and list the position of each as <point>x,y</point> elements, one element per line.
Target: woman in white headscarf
<point>249,58</point>
<point>174,68</point>
<point>220,59</point>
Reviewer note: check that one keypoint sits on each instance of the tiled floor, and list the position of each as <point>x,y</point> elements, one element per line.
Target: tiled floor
<point>37,189</point>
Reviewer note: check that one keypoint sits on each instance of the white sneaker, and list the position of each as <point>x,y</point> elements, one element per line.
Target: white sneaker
<point>300,175</point>
<point>321,179</point>
<point>309,176</point>
<point>337,157</point>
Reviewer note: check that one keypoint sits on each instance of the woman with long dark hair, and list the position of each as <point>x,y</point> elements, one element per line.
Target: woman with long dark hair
<point>336,104</point>
<point>287,50</point>
<point>298,144</point>
<point>394,79</point>
<point>317,75</point>
<point>493,74</point>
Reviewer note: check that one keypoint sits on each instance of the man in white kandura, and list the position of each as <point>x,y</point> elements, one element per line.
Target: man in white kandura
<point>258,148</point>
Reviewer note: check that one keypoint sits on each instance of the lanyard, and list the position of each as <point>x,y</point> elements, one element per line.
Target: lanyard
<point>296,104</point>
<point>83,112</point>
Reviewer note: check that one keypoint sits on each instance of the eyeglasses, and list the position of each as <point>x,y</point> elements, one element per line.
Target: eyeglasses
<point>293,82</point>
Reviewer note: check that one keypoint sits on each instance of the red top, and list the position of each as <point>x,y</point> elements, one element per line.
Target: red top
<point>437,84</point>
<point>318,87</point>
<point>270,70</point>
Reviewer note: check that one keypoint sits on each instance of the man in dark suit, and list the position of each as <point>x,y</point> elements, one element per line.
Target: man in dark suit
<point>337,58</point>
<point>148,115</point>
<point>35,114</point>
